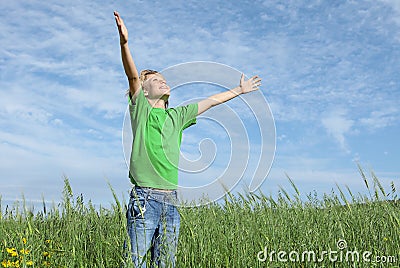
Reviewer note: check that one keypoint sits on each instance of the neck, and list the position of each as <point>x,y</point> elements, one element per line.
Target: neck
<point>157,103</point>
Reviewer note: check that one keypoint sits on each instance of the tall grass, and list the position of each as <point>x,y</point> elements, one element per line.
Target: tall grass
<point>232,233</point>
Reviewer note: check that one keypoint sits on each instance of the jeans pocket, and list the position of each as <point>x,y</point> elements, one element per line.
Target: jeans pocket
<point>137,206</point>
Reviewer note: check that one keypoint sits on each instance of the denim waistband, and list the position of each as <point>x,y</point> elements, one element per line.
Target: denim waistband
<point>155,194</point>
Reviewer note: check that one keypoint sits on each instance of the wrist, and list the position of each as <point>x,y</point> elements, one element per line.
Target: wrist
<point>123,41</point>
<point>238,90</point>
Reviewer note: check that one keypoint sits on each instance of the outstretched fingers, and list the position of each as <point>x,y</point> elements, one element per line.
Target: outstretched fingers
<point>251,84</point>
<point>255,81</point>
<point>117,18</point>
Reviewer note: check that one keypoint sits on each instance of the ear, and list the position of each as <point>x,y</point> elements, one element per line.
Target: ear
<point>145,91</point>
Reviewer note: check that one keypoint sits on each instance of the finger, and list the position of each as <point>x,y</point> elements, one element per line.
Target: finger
<point>256,82</point>
<point>116,15</point>
<point>117,18</point>
<point>242,79</point>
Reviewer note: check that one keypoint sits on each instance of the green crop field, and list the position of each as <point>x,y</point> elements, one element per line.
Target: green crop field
<point>341,229</point>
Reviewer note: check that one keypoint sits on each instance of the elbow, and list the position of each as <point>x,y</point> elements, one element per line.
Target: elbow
<point>133,78</point>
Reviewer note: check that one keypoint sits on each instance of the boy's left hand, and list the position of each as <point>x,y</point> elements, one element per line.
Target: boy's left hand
<point>250,85</point>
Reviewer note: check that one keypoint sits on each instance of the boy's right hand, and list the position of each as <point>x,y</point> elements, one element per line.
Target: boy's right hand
<point>123,31</point>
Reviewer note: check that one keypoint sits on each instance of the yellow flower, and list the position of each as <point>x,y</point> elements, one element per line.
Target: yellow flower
<point>46,254</point>
<point>5,263</point>
<point>385,239</point>
<point>12,251</point>
<point>9,250</point>
<point>24,251</point>
<point>29,263</point>
<point>24,240</point>
<point>48,241</point>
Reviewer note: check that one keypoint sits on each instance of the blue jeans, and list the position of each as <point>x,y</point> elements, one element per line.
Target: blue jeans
<point>153,225</point>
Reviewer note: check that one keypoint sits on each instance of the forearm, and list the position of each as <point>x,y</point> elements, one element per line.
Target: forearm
<point>128,63</point>
<point>218,98</point>
<point>225,96</point>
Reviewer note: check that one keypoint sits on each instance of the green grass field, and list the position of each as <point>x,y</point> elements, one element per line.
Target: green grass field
<point>341,229</point>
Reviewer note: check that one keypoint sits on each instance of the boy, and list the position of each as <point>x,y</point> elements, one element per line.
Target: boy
<point>152,218</point>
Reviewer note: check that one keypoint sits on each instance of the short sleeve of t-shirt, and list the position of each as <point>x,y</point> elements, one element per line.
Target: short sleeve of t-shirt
<point>187,115</point>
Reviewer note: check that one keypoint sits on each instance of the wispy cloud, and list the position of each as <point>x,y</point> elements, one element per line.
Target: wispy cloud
<point>381,119</point>
<point>337,125</point>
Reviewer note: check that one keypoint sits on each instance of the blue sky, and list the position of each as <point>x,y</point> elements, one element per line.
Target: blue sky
<point>329,69</point>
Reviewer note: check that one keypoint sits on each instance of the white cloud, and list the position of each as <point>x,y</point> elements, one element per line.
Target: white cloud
<point>381,119</point>
<point>338,125</point>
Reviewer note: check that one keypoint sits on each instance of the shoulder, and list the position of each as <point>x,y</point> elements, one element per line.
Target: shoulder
<point>137,97</point>
<point>184,112</point>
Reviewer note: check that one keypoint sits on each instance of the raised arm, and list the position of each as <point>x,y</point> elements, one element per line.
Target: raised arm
<point>127,60</point>
<point>249,85</point>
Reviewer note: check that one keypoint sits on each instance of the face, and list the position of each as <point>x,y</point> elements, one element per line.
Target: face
<point>155,87</point>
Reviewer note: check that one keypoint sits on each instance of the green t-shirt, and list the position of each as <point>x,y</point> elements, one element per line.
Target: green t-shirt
<point>157,135</point>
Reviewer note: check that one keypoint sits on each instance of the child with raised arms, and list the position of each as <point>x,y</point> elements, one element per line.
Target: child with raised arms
<point>152,217</point>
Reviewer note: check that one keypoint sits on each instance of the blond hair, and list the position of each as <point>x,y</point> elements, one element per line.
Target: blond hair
<point>144,75</point>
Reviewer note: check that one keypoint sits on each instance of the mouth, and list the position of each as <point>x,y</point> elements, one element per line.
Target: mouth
<point>164,88</point>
